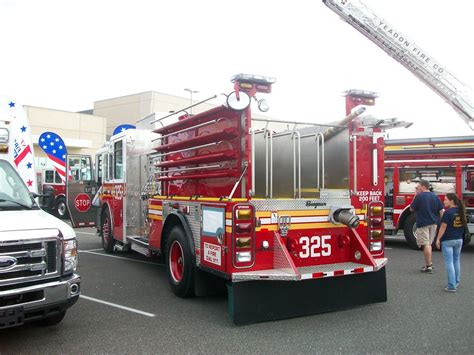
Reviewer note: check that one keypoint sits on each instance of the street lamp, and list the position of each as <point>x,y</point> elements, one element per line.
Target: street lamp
<point>191,92</point>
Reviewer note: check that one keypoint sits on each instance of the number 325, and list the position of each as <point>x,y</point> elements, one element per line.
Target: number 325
<point>315,246</point>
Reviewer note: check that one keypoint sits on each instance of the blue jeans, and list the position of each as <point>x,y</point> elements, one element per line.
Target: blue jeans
<point>452,261</point>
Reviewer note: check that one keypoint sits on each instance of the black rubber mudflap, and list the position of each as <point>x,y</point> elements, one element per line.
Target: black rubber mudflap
<point>206,284</point>
<point>258,301</point>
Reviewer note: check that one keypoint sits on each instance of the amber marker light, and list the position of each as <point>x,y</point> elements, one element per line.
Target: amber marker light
<point>376,210</point>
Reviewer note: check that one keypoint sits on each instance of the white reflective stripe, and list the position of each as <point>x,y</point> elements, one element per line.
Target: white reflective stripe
<point>85,251</point>
<point>397,211</point>
<point>228,222</point>
<point>156,212</point>
<point>369,269</point>
<point>306,276</point>
<point>427,160</point>
<point>348,272</point>
<point>309,219</point>
<point>314,219</point>
<point>329,273</point>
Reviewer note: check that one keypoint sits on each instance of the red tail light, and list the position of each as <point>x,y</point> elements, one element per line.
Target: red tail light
<point>376,227</point>
<point>469,201</point>
<point>243,246</point>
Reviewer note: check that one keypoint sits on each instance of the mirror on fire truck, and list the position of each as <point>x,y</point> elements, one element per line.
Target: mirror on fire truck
<point>80,190</point>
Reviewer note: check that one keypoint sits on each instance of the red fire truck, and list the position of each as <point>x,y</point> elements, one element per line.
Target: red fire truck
<point>290,220</point>
<point>447,163</point>
<point>49,181</point>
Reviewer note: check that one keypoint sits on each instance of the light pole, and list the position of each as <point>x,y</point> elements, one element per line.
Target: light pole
<point>191,92</point>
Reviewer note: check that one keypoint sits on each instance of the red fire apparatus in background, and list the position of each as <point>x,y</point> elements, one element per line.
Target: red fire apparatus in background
<point>289,218</point>
<point>49,181</point>
<point>447,163</point>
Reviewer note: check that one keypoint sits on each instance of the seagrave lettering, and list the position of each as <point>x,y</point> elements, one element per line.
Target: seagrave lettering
<point>315,204</point>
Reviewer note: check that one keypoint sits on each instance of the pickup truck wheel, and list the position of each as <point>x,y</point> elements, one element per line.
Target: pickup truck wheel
<point>179,263</point>
<point>409,230</point>
<point>61,208</point>
<point>53,320</point>
<point>108,241</point>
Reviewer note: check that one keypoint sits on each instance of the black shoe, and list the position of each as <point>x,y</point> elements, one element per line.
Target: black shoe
<point>428,269</point>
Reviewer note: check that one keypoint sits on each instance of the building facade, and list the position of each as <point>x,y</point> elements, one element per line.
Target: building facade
<point>132,108</point>
<point>82,133</point>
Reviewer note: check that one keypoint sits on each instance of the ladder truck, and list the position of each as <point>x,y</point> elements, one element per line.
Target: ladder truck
<point>445,84</point>
<point>407,53</point>
<point>446,162</point>
<point>286,216</point>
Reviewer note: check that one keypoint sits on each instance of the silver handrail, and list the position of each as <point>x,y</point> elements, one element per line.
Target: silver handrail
<point>192,168</point>
<point>298,123</point>
<point>269,142</point>
<point>252,140</point>
<point>188,129</point>
<point>320,136</point>
<point>354,158</point>
<point>294,163</point>
<point>187,149</point>
<point>238,182</point>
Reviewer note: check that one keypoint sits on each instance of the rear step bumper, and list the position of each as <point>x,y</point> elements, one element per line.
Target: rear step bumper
<point>257,301</point>
<point>309,272</point>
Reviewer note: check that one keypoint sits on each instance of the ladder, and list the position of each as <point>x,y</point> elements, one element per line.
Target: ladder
<point>407,53</point>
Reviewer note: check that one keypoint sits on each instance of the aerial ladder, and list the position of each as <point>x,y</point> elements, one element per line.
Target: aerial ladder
<point>407,53</point>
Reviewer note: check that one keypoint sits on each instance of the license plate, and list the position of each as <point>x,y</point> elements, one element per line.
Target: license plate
<point>11,317</point>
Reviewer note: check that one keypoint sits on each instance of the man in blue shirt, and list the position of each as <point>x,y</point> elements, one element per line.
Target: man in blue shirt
<point>429,209</point>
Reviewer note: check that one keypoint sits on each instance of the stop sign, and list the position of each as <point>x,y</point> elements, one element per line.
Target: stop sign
<point>82,202</point>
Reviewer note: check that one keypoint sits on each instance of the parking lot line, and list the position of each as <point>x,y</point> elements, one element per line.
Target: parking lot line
<point>84,251</point>
<point>118,306</point>
<point>118,257</point>
<point>78,232</point>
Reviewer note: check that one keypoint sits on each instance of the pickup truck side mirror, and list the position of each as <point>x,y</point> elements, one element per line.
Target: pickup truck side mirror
<point>47,198</point>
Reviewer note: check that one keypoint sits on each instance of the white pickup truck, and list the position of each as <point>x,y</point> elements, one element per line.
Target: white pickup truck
<point>38,254</point>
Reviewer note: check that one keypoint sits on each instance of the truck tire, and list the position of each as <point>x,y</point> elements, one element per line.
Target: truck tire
<point>53,320</point>
<point>108,241</point>
<point>179,263</point>
<point>61,208</point>
<point>409,229</point>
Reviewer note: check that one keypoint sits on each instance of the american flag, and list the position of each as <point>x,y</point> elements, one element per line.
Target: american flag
<point>20,150</point>
<point>122,128</point>
<point>55,149</point>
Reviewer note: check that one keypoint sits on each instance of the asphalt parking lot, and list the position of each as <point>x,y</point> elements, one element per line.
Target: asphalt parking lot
<point>127,307</point>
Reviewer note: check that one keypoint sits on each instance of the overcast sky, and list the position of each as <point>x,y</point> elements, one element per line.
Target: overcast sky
<point>67,54</point>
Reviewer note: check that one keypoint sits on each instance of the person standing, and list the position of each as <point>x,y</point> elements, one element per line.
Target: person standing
<point>428,208</point>
<point>450,235</point>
